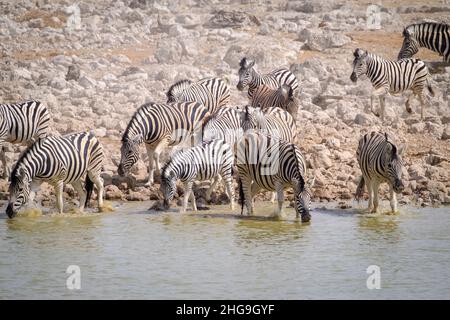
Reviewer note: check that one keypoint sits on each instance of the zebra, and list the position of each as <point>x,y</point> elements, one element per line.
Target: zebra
<point>248,76</point>
<point>58,160</point>
<point>273,121</point>
<point>226,125</point>
<point>159,126</point>
<point>431,35</point>
<point>213,93</point>
<point>268,163</point>
<point>208,161</point>
<point>392,77</point>
<point>283,97</point>
<point>380,161</point>
<point>22,123</point>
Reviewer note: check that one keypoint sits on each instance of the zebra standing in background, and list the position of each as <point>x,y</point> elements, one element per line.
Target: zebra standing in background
<point>268,163</point>
<point>58,161</point>
<point>392,77</point>
<point>22,123</point>
<point>248,76</point>
<point>207,161</point>
<point>226,125</point>
<point>213,93</point>
<point>380,161</point>
<point>283,97</point>
<point>159,126</point>
<point>431,35</point>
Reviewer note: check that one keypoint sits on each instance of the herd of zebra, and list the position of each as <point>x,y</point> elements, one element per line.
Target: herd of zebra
<point>213,138</point>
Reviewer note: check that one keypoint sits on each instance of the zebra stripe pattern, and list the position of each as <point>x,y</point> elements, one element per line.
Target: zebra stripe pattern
<point>380,161</point>
<point>248,76</point>
<point>213,93</point>
<point>58,161</point>
<point>22,123</point>
<point>392,77</point>
<point>267,163</point>
<point>265,97</point>
<point>210,160</point>
<point>159,126</point>
<point>434,36</point>
<point>272,121</point>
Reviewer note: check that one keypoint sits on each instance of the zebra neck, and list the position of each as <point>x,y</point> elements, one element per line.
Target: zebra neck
<point>256,81</point>
<point>374,66</point>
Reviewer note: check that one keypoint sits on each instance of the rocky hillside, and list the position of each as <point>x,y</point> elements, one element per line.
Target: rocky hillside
<point>124,53</point>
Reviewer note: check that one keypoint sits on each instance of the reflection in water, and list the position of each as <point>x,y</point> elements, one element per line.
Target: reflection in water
<point>134,253</point>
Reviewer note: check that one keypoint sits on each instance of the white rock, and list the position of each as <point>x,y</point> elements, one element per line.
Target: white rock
<point>86,82</point>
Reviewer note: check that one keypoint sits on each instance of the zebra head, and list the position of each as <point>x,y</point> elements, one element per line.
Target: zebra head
<point>290,101</point>
<point>359,64</point>
<point>129,153</point>
<point>168,184</point>
<point>19,191</point>
<point>410,45</point>
<point>393,165</point>
<point>245,73</point>
<point>303,197</point>
<point>176,90</point>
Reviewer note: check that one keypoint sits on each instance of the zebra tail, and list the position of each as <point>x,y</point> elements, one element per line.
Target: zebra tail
<point>89,186</point>
<point>360,189</point>
<point>241,194</point>
<point>430,89</point>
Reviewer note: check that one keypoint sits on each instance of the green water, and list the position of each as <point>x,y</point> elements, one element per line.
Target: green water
<point>132,253</point>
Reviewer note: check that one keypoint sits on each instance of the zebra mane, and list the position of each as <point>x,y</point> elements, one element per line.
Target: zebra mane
<point>177,88</point>
<point>13,176</point>
<point>246,63</point>
<point>394,147</point>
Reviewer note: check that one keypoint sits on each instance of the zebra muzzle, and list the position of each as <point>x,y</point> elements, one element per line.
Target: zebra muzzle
<point>10,211</point>
<point>120,170</point>
<point>353,77</point>
<point>240,87</point>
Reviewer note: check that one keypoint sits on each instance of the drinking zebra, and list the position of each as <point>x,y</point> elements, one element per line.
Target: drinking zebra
<point>248,76</point>
<point>431,35</point>
<point>159,126</point>
<point>58,161</point>
<point>380,161</point>
<point>268,163</point>
<point>392,77</point>
<point>22,123</point>
<point>283,97</point>
<point>210,160</point>
<point>213,93</point>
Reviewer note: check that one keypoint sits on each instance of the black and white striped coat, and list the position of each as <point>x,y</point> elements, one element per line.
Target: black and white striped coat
<point>380,161</point>
<point>283,97</point>
<point>392,77</point>
<point>268,163</point>
<point>160,126</point>
<point>248,76</point>
<point>22,123</point>
<point>431,35</point>
<point>58,160</point>
<point>210,160</point>
<point>213,93</point>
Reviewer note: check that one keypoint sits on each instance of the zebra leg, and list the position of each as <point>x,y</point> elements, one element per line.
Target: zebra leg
<point>422,104</point>
<point>156,153</point>
<point>4,163</point>
<point>98,181</point>
<point>370,192</point>
<point>408,104</point>
<point>247,188</point>
<point>228,181</point>
<point>382,106</point>
<point>187,193</point>
<point>280,197</point>
<point>81,192</point>
<point>274,197</point>
<point>59,186</point>
<point>211,188</point>
<point>194,203</point>
<point>393,199</point>
<point>375,197</point>
<point>151,164</point>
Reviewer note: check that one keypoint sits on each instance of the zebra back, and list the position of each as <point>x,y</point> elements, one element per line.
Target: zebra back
<point>225,125</point>
<point>24,122</point>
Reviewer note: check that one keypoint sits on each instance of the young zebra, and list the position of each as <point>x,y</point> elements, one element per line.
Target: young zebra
<point>272,121</point>
<point>392,77</point>
<point>283,97</point>
<point>213,93</point>
<point>268,163</point>
<point>22,123</point>
<point>210,160</point>
<point>159,126</point>
<point>380,161</point>
<point>225,125</point>
<point>434,36</point>
<point>58,161</point>
<point>248,76</point>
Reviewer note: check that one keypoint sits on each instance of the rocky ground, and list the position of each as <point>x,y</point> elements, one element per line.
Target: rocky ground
<point>124,53</point>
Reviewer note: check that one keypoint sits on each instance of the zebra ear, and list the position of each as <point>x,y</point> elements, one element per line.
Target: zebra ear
<point>401,149</point>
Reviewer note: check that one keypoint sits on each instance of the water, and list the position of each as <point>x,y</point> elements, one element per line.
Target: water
<point>132,253</point>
